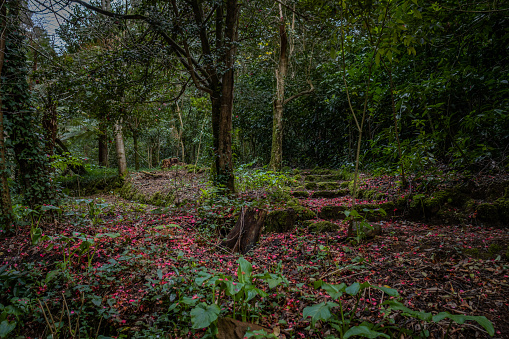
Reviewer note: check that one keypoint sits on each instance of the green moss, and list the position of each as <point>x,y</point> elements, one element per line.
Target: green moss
<point>321,171</point>
<point>328,185</point>
<point>503,208</point>
<point>303,213</point>
<point>322,226</point>
<point>472,252</point>
<point>333,212</point>
<point>311,185</point>
<point>280,221</point>
<point>300,194</point>
<point>330,194</point>
<point>487,212</point>
<point>494,249</point>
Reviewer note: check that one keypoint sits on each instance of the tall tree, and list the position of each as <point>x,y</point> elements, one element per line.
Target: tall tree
<point>276,156</point>
<point>203,36</point>
<point>6,216</point>
<point>20,124</point>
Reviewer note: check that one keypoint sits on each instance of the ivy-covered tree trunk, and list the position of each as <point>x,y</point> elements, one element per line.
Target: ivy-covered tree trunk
<point>20,123</point>
<point>6,216</point>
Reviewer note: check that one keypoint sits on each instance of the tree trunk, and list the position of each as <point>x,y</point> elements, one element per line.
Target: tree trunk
<point>49,124</point>
<point>103,144</point>
<point>276,154</point>
<point>119,145</point>
<point>222,106</point>
<point>136,150</point>
<point>23,130</point>
<point>246,232</point>
<point>6,216</point>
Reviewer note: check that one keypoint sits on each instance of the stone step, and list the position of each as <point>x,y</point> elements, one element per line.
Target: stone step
<point>330,194</point>
<point>323,186</point>
<point>325,177</point>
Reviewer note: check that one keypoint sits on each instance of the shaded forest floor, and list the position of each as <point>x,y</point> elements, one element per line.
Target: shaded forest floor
<point>138,277</point>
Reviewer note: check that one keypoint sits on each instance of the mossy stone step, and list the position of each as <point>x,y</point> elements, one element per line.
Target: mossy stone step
<point>280,221</point>
<point>326,185</point>
<point>372,212</point>
<point>327,177</point>
<point>321,226</point>
<point>300,194</point>
<point>330,194</point>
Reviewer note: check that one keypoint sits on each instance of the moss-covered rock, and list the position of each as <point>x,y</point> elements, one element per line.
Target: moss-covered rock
<point>311,185</point>
<point>304,213</point>
<point>503,210</point>
<point>322,226</point>
<point>330,194</point>
<point>487,212</point>
<point>321,171</point>
<point>327,185</point>
<point>300,194</point>
<point>333,212</point>
<point>280,221</point>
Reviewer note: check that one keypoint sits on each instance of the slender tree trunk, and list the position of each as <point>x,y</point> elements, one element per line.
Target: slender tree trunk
<point>136,151</point>
<point>6,216</point>
<point>49,125</point>
<point>158,152</point>
<point>276,154</point>
<point>119,145</point>
<point>396,130</point>
<point>222,106</point>
<point>103,144</point>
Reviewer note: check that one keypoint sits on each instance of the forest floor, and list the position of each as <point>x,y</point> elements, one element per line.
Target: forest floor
<point>146,267</point>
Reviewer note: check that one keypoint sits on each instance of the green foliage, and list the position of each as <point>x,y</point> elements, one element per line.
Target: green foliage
<point>347,324</point>
<point>20,122</point>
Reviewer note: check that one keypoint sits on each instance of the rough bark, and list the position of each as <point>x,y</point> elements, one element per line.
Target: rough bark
<point>6,218</point>
<point>136,150</point>
<point>49,125</point>
<point>103,145</point>
<point>276,154</point>
<point>119,145</point>
<point>246,232</point>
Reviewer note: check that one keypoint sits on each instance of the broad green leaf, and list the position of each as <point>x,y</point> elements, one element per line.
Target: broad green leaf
<point>396,305</point>
<point>51,275</point>
<point>335,291</point>
<point>6,328</point>
<point>244,271</point>
<point>363,331</point>
<point>203,315</point>
<point>460,319</point>
<point>389,291</point>
<point>319,311</point>
<point>190,301</point>
<point>353,289</point>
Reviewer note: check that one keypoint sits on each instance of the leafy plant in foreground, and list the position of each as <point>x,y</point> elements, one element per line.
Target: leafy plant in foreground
<point>347,323</point>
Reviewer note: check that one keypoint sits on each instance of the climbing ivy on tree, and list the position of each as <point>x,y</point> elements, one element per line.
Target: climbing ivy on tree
<point>24,135</point>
